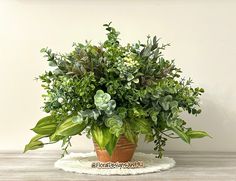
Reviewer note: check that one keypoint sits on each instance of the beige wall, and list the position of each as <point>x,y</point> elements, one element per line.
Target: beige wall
<point>202,34</point>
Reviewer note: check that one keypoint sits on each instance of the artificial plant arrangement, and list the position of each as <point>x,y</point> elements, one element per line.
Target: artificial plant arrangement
<point>108,90</point>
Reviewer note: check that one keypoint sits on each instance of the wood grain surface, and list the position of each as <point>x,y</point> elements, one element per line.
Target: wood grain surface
<point>38,166</point>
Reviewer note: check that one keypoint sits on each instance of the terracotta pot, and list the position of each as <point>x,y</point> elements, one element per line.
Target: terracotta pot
<point>123,151</point>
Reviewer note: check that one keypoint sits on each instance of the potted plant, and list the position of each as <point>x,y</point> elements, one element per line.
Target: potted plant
<point>114,93</point>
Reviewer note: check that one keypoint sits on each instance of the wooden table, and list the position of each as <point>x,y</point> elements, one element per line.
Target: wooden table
<point>38,166</point>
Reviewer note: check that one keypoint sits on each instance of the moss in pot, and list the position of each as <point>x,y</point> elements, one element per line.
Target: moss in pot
<point>114,93</point>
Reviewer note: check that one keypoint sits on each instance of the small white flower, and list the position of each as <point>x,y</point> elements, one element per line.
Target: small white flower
<point>69,112</point>
<point>60,100</point>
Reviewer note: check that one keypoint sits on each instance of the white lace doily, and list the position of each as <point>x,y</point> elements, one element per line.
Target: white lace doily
<point>81,163</point>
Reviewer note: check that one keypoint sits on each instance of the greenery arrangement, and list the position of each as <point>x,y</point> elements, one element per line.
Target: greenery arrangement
<point>107,90</point>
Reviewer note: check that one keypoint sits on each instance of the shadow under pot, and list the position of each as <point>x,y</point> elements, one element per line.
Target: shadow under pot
<point>123,151</point>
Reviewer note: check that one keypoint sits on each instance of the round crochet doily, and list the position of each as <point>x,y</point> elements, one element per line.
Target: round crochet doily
<point>81,163</point>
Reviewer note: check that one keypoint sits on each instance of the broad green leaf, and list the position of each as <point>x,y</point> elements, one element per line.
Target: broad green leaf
<point>70,128</point>
<point>101,136</point>
<point>181,134</point>
<point>33,146</point>
<point>34,143</point>
<point>197,134</point>
<point>55,138</point>
<point>111,144</point>
<point>45,126</point>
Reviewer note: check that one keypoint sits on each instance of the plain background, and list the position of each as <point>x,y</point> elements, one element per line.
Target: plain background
<point>202,34</point>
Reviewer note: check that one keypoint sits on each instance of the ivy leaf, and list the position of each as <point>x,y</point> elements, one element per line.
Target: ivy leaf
<point>55,138</point>
<point>45,126</point>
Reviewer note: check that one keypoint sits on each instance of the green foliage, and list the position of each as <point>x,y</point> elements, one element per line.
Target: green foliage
<point>101,136</point>
<point>72,126</point>
<point>45,126</point>
<point>109,89</point>
<point>197,134</point>
<point>130,132</point>
<point>34,143</point>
